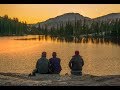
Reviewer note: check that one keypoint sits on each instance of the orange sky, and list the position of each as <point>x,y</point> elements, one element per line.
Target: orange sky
<point>33,13</point>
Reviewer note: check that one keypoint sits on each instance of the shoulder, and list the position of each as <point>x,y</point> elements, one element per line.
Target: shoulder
<point>81,57</point>
<point>58,58</point>
<point>50,58</point>
<point>47,59</point>
<point>73,57</point>
<point>39,59</point>
<point>44,58</point>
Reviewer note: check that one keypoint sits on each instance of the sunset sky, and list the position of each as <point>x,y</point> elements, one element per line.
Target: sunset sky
<point>33,13</point>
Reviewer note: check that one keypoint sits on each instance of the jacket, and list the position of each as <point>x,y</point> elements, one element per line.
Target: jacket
<point>76,63</point>
<point>42,65</point>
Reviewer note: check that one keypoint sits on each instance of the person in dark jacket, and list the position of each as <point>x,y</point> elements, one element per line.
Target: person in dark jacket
<point>55,66</point>
<point>42,65</point>
<point>76,64</point>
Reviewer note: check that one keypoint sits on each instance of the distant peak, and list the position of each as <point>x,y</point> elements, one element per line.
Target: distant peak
<point>114,13</point>
<point>71,13</point>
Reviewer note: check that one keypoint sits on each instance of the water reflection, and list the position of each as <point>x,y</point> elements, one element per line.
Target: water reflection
<point>101,56</point>
<point>71,39</point>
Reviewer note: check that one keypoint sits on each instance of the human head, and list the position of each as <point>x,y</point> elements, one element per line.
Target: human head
<point>76,52</point>
<point>44,54</point>
<point>54,54</point>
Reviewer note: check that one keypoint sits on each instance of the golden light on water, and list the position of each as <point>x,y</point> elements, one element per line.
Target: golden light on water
<point>20,56</point>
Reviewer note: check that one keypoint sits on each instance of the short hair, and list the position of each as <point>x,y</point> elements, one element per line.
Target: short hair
<point>54,54</point>
<point>44,54</point>
<point>76,52</point>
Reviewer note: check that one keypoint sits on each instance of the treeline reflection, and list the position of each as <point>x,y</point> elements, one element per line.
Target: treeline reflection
<point>93,40</point>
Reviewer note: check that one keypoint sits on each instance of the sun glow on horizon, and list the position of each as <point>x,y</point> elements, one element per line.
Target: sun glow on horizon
<point>33,13</point>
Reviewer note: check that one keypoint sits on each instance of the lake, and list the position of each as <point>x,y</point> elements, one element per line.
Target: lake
<point>19,54</point>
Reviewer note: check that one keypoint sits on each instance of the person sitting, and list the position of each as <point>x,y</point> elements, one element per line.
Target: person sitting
<point>42,65</point>
<point>55,66</point>
<point>76,64</point>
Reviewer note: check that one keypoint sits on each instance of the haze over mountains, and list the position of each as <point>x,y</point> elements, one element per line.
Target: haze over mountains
<point>72,17</point>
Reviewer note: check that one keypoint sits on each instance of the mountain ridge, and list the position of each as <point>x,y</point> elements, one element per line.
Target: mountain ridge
<point>108,16</point>
<point>72,17</point>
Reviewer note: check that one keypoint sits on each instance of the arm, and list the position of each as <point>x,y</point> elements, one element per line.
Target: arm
<point>49,64</point>
<point>82,61</point>
<point>70,64</point>
<point>60,63</point>
<point>37,64</point>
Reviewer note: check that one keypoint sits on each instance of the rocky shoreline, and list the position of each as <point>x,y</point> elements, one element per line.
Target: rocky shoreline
<point>16,79</point>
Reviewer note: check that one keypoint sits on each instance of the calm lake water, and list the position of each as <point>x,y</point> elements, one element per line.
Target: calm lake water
<point>19,54</point>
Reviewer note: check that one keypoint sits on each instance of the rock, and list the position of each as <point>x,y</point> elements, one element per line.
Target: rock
<point>57,80</point>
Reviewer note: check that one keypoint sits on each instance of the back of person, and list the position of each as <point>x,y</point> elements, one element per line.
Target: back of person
<point>42,65</point>
<point>76,64</point>
<point>55,64</point>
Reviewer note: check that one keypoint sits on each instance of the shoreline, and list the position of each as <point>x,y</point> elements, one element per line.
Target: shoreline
<point>16,79</point>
